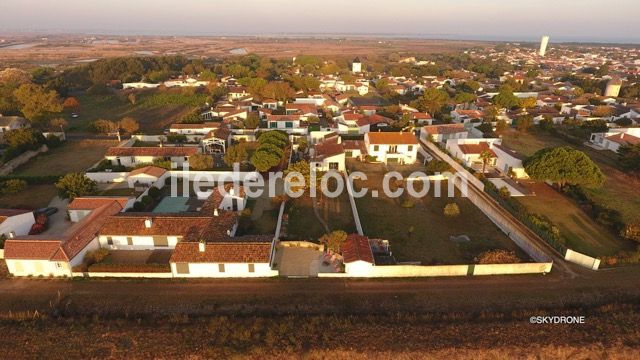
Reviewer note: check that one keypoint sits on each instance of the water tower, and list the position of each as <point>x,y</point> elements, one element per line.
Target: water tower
<point>543,45</point>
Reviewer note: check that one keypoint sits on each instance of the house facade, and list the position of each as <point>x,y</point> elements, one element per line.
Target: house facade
<point>133,156</point>
<point>392,147</point>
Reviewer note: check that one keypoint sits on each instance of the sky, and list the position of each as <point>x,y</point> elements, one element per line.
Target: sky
<point>510,20</point>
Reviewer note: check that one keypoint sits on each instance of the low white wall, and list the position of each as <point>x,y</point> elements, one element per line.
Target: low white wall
<point>279,222</point>
<point>354,208</point>
<point>159,275</point>
<point>454,164</point>
<point>231,270</point>
<point>582,259</point>
<point>108,177</point>
<point>8,167</point>
<point>216,175</point>
<point>1,254</point>
<point>505,269</point>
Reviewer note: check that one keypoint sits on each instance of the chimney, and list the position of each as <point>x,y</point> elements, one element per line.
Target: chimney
<point>147,223</point>
<point>202,246</point>
<point>231,191</point>
<point>12,235</point>
<point>215,212</point>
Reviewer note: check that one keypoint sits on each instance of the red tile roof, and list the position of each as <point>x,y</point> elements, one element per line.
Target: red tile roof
<point>444,129</point>
<point>195,126</point>
<point>476,148</point>
<point>392,138</point>
<point>357,248</point>
<point>152,151</point>
<point>154,171</point>
<point>31,249</point>
<point>328,148</point>
<point>624,139</point>
<point>94,202</point>
<point>222,252</point>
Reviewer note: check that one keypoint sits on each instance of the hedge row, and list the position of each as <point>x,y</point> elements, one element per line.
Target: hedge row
<point>33,180</point>
<point>133,268</point>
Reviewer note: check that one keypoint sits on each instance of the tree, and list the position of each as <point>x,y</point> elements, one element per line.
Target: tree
<point>252,121</point>
<point>74,185</point>
<point>59,122</point>
<point>278,90</point>
<point>437,167</point>
<point>334,240</point>
<point>524,123</point>
<point>465,98</point>
<point>603,111</point>
<point>433,100</point>
<point>71,103</point>
<point>274,137</point>
<point>629,157</point>
<point>490,113</point>
<point>132,98</point>
<point>129,125</point>
<point>23,139</point>
<point>201,162</point>
<point>35,101</point>
<point>301,168</point>
<point>104,126</point>
<point>562,166</point>
<point>236,154</point>
<point>528,103</point>
<point>501,126</point>
<point>451,210</point>
<point>506,99</point>
<point>485,156</point>
<point>176,138</point>
<point>264,160</point>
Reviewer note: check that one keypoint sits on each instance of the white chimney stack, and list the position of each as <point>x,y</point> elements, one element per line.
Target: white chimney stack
<point>231,191</point>
<point>202,246</point>
<point>215,212</point>
<point>147,223</point>
<point>12,235</point>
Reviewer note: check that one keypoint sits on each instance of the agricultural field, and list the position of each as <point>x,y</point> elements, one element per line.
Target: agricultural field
<point>153,109</point>
<point>71,156</point>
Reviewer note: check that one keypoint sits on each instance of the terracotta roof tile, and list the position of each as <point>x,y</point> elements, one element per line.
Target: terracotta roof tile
<point>357,248</point>
<point>222,252</point>
<point>152,151</point>
<point>94,202</point>
<point>392,138</point>
<point>154,171</point>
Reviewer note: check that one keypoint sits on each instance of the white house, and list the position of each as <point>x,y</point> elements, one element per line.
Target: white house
<point>132,156</point>
<point>135,231</point>
<point>328,155</point>
<point>292,124</point>
<point>357,255</point>
<point>41,255</point>
<point>616,138</point>
<point>194,129</point>
<point>15,222</point>
<point>470,150</point>
<point>222,259</point>
<point>147,176</point>
<point>80,207</point>
<point>465,116</point>
<point>392,147</point>
<point>8,123</point>
<point>139,85</point>
<point>442,133</point>
<point>356,66</point>
<point>509,162</point>
<point>188,82</point>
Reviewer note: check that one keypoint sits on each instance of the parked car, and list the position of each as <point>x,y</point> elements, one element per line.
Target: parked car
<point>74,115</point>
<point>47,211</point>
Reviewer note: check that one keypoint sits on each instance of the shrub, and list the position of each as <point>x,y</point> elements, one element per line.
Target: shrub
<point>451,210</point>
<point>437,166</point>
<point>408,203</point>
<point>138,206</point>
<point>96,256</point>
<point>497,257</point>
<point>505,193</point>
<point>13,186</point>
<point>246,212</point>
<point>155,193</point>
<point>631,232</point>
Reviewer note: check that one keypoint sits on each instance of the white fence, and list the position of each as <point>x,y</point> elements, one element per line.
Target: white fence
<point>241,176</point>
<point>454,164</point>
<point>1,254</point>
<point>582,259</point>
<point>354,208</point>
<point>445,270</point>
<point>108,177</point>
<point>147,275</point>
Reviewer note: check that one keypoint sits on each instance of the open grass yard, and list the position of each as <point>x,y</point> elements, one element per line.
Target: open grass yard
<point>422,233</point>
<point>33,197</point>
<point>334,213</point>
<point>153,112</point>
<point>71,156</point>
<point>619,192</point>
<point>579,230</point>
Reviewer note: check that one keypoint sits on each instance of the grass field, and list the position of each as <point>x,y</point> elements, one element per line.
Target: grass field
<point>620,191</point>
<point>71,156</point>
<point>304,225</point>
<point>34,197</point>
<point>422,232</point>
<point>153,116</point>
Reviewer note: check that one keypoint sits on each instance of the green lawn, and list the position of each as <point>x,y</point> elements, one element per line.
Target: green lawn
<point>71,156</point>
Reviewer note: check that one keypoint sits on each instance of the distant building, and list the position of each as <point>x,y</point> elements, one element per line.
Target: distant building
<point>356,66</point>
<point>613,87</point>
<point>543,45</point>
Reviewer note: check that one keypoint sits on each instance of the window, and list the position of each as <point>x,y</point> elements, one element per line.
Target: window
<point>58,265</point>
<point>273,125</point>
<point>129,240</point>
<point>109,240</point>
<point>376,148</point>
<point>410,148</point>
<point>182,268</point>
<point>221,268</point>
<point>393,149</point>
<point>333,165</point>
<point>252,268</point>
<point>160,241</point>
<point>288,124</point>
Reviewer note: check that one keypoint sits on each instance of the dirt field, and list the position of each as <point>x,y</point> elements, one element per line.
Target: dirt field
<point>75,48</point>
<point>34,197</point>
<point>483,317</point>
